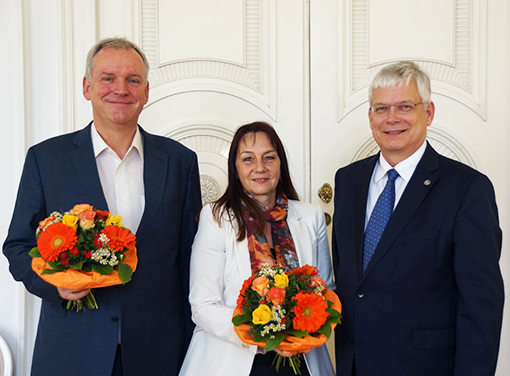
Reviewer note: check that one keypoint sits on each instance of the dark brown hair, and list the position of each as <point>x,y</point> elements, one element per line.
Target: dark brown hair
<point>235,195</point>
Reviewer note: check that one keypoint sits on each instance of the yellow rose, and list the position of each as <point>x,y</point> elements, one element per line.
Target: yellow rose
<point>261,315</point>
<point>281,281</point>
<point>70,220</point>
<point>113,220</point>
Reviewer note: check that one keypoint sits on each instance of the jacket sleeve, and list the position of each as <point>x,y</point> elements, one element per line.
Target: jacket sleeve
<point>190,212</point>
<point>324,256</point>
<point>29,210</point>
<point>477,249</point>
<point>207,279</point>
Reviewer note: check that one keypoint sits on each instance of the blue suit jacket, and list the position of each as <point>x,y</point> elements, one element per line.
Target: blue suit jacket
<point>152,310</point>
<point>431,299</point>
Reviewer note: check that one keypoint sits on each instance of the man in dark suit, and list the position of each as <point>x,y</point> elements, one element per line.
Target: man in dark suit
<point>143,327</point>
<point>422,292</point>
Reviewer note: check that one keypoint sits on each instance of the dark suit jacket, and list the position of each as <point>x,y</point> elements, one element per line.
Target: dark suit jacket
<point>431,299</point>
<point>152,309</point>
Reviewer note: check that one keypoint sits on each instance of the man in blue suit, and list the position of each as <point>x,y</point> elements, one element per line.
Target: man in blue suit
<point>425,297</point>
<point>143,327</point>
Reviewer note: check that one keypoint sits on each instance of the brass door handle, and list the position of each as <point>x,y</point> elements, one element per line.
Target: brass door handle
<point>325,193</point>
<point>328,218</point>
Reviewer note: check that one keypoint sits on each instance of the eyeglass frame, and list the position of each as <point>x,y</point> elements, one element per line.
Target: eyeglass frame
<point>371,108</point>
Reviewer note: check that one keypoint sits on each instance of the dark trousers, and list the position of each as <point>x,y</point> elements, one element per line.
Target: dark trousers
<point>262,367</point>
<point>117,364</point>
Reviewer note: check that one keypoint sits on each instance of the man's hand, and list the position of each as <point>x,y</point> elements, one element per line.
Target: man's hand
<point>71,294</point>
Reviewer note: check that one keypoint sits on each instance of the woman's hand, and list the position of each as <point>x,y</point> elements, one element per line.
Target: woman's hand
<point>284,353</point>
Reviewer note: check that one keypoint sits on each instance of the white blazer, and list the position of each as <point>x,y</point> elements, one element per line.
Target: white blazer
<point>219,266</point>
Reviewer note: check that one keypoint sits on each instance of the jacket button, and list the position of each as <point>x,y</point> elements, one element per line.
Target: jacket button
<point>350,341</point>
<point>360,294</point>
<point>114,319</point>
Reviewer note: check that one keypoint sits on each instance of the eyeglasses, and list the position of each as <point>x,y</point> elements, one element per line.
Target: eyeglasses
<point>401,108</point>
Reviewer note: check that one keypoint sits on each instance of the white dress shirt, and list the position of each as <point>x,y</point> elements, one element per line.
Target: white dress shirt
<point>379,178</point>
<point>121,179</point>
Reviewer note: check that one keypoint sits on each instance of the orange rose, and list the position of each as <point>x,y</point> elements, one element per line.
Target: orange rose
<point>260,285</point>
<point>318,283</point>
<point>276,295</point>
<point>87,219</point>
<point>80,208</point>
<point>44,223</point>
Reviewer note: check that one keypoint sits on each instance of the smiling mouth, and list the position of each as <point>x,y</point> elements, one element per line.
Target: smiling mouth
<point>395,132</point>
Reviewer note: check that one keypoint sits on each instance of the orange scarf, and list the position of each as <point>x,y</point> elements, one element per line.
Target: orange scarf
<point>258,246</point>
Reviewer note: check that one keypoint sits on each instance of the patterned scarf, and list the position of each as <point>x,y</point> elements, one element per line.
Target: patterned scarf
<point>282,240</point>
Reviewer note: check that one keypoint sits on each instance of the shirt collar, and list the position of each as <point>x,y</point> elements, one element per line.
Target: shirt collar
<point>100,145</point>
<point>405,168</point>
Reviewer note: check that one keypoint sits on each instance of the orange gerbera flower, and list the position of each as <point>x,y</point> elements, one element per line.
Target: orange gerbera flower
<point>55,239</point>
<point>305,270</point>
<point>119,238</point>
<point>310,312</point>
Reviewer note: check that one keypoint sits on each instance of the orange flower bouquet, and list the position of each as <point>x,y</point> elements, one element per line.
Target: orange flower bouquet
<point>290,310</point>
<point>84,248</point>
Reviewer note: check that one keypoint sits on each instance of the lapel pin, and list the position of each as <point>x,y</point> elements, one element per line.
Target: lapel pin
<point>426,182</point>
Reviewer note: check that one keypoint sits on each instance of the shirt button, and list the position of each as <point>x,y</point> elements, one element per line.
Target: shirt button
<point>114,319</point>
<point>360,294</point>
<point>245,346</point>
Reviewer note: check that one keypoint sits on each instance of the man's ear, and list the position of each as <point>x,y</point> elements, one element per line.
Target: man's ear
<point>86,88</point>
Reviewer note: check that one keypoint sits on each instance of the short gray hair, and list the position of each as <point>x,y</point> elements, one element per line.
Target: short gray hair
<point>113,43</point>
<point>401,73</point>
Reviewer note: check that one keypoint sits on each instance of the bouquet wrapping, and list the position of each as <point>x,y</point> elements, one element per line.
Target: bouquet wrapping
<point>84,248</point>
<point>292,311</point>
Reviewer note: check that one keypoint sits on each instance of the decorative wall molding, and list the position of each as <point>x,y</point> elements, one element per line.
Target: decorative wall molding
<point>443,142</point>
<point>211,143</point>
<point>248,79</point>
<point>462,79</point>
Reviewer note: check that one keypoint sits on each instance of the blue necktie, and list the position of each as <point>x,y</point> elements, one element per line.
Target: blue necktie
<point>379,217</point>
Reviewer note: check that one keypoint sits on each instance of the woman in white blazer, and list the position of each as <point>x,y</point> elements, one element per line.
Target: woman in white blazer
<point>222,257</point>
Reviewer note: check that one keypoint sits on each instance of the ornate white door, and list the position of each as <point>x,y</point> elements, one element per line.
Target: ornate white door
<point>462,46</point>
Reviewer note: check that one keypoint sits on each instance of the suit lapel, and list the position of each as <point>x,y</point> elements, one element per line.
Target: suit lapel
<point>419,186</point>
<point>81,156</point>
<point>154,180</point>
<point>300,236</point>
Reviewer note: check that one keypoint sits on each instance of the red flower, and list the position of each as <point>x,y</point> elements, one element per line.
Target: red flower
<point>56,239</point>
<point>246,285</point>
<point>102,214</point>
<point>310,312</point>
<point>305,270</point>
<point>119,238</point>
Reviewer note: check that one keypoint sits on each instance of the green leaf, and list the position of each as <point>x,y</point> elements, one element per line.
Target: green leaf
<point>50,271</point>
<point>241,319</point>
<point>274,341</point>
<point>333,313</point>
<point>125,272</point>
<point>34,252</point>
<point>257,337</point>
<point>297,333</point>
<point>325,329</point>
<point>102,269</point>
<point>57,266</point>
<point>78,265</point>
